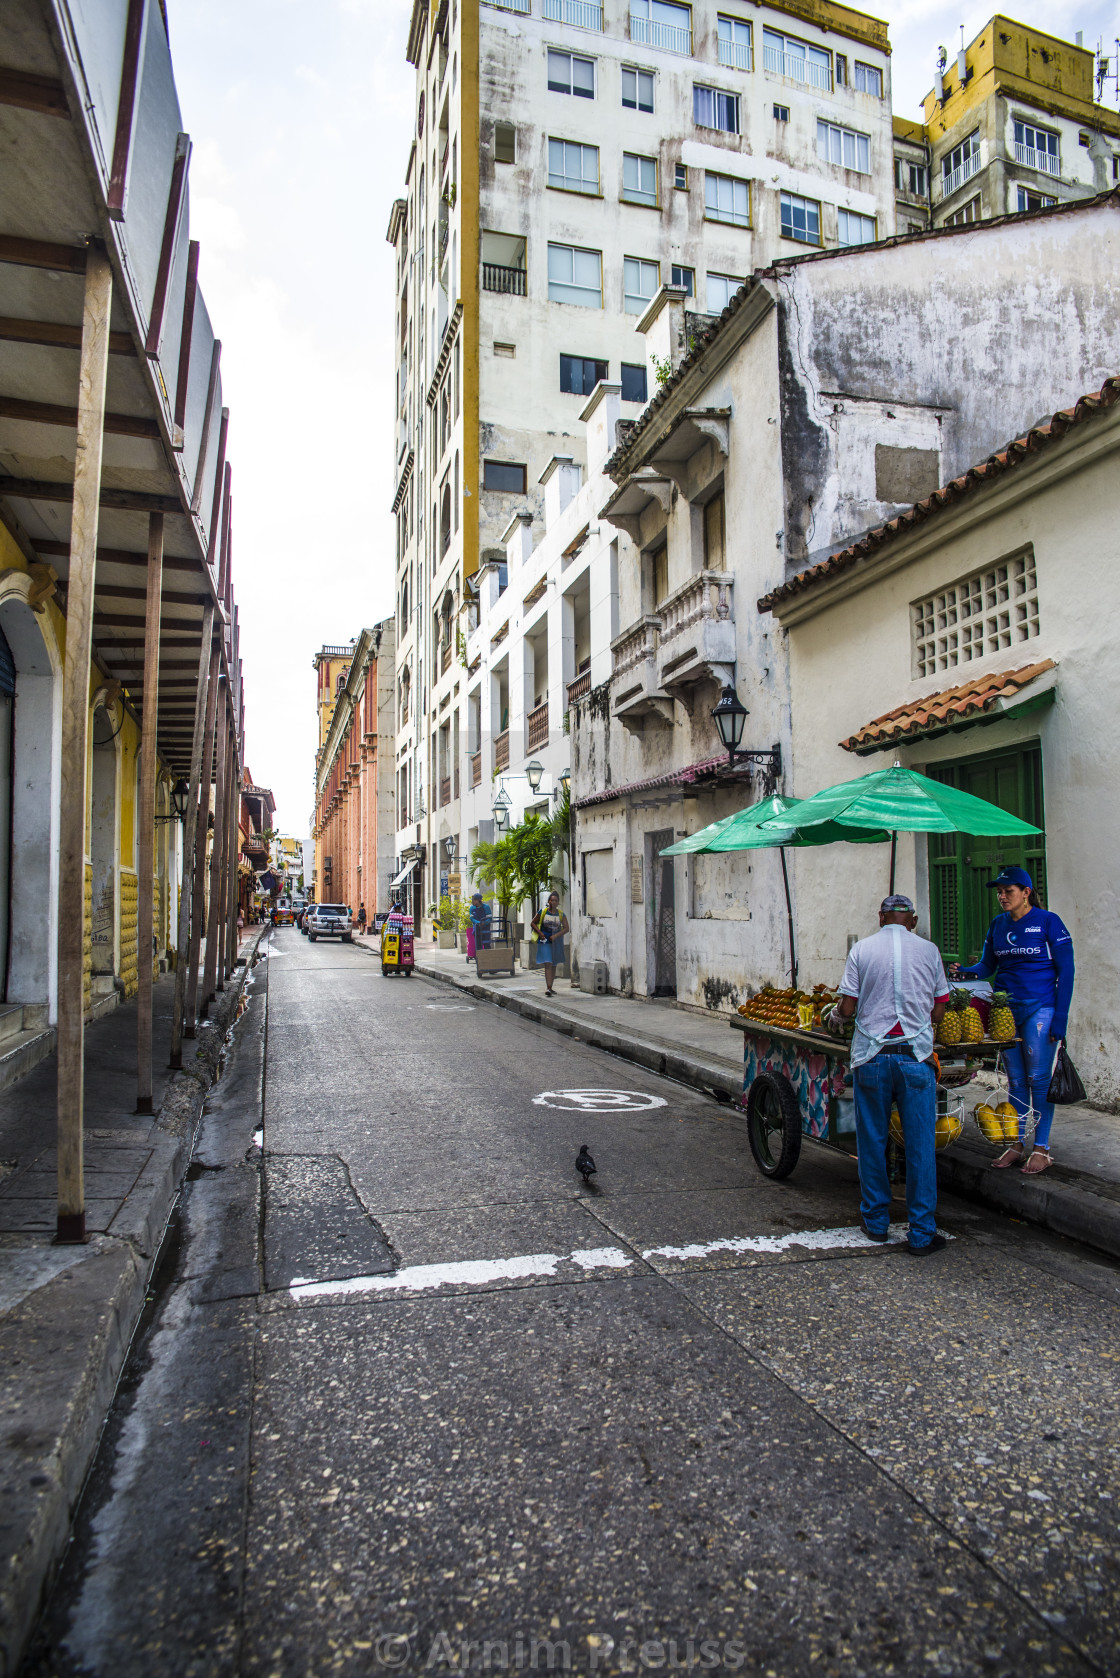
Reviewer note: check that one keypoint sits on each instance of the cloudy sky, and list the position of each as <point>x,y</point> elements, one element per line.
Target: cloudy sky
<point>301,120</point>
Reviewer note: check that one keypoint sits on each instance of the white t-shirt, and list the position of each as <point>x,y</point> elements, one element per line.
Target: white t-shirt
<point>869,976</point>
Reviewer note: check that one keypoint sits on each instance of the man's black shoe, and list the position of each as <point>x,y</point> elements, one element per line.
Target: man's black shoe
<point>933,1246</point>
<point>872,1235</point>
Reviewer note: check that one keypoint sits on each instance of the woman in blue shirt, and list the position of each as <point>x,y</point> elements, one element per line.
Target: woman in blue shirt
<point>1030,951</point>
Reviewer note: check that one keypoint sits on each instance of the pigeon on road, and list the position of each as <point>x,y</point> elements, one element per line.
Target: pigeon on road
<point>585,1165</point>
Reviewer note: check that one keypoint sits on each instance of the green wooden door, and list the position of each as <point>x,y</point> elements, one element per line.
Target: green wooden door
<point>961,864</point>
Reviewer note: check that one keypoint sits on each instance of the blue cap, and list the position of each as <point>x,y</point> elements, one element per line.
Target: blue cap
<point>893,904</point>
<point>1013,877</point>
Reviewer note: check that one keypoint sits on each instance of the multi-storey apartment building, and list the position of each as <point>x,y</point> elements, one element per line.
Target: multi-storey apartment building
<point>1013,125</point>
<point>912,178</point>
<point>353,825</point>
<point>568,159</point>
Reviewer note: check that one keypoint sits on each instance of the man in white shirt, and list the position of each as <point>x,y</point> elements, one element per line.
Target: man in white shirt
<point>894,983</point>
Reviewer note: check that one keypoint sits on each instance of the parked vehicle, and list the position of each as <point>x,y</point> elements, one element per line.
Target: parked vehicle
<point>329,920</point>
<point>301,918</point>
<point>283,915</point>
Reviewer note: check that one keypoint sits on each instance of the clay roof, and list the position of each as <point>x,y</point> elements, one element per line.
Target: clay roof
<point>1015,452</point>
<point>709,769</point>
<point>947,709</point>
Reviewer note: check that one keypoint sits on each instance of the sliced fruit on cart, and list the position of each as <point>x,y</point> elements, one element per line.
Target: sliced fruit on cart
<point>1008,1117</point>
<point>972,1026</point>
<point>988,1122</point>
<point>1001,1021</point>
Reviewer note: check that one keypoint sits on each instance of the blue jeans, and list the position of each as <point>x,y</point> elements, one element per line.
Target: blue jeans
<point>1029,1065</point>
<point>910,1085</point>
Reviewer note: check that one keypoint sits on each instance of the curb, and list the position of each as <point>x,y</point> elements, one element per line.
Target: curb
<point>63,1347</point>
<point>1071,1204</point>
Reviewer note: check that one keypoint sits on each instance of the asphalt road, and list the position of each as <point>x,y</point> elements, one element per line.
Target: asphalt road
<point>409,1397</point>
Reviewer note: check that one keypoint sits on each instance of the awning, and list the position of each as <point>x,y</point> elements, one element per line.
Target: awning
<point>1005,693</point>
<point>404,873</point>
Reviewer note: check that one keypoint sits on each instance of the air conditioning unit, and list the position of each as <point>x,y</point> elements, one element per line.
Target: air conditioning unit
<point>593,977</point>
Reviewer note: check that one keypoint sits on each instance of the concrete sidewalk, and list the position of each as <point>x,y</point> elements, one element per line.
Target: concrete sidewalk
<point>67,1314</point>
<point>1078,1197</point>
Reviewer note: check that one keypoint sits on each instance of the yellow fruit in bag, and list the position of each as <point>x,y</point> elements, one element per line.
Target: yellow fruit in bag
<point>989,1122</point>
<point>1009,1118</point>
<point>949,1127</point>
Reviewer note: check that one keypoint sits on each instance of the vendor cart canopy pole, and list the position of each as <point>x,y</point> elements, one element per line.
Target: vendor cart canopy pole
<point>92,379</point>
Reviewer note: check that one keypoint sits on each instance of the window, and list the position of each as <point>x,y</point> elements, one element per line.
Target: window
<point>657,23</point>
<point>657,574</point>
<point>781,113</point>
<point>713,109</point>
<point>910,177</point>
<point>721,289</point>
<point>714,543</point>
<point>685,277</point>
<point>639,179</point>
<point>637,90</point>
<point>633,382</point>
<point>505,143</point>
<point>598,884</point>
<point>573,167</point>
<point>581,14</point>
<point>568,73</point>
<point>801,219</point>
<point>727,199</point>
<point>785,56</point>
<point>844,146</point>
<point>960,164</point>
<point>984,613</point>
<point>640,280</point>
<point>503,475</point>
<point>579,374</point>
<point>968,212</point>
<point>680,177</point>
<point>1037,148</point>
<point>856,229</point>
<point>868,79</point>
<point>734,42</point>
<point>1028,200</point>
<point>841,70</point>
<point>575,276</point>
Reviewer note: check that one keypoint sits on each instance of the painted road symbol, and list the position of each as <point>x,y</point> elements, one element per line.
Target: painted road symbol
<point>599,1101</point>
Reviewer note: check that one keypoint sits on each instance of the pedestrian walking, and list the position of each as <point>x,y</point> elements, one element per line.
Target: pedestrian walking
<point>1030,951</point>
<point>550,926</point>
<point>361,920</point>
<point>478,934</point>
<point>895,985</point>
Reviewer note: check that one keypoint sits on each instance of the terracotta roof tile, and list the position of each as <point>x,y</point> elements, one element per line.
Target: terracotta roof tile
<point>1018,450</point>
<point>938,711</point>
<point>709,769</point>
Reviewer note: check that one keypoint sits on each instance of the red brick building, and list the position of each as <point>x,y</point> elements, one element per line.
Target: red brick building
<point>354,823</point>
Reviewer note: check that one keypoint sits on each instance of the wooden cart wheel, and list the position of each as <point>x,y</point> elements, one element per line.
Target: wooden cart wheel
<point>773,1124</point>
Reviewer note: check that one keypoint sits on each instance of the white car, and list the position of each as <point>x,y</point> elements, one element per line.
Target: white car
<point>328,920</point>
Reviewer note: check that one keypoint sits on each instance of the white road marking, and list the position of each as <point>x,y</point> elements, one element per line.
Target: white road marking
<point>599,1101</point>
<point>419,1278</point>
<point>815,1240</point>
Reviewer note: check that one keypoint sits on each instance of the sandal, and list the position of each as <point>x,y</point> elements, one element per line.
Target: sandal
<point>1045,1162</point>
<point>1011,1156</point>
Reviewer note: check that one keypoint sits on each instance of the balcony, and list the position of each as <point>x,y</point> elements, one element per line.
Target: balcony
<point>538,727</point>
<point>445,659</point>
<point>522,6</point>
<point>509,281</point>
<point>735,54</point>
<point>797,68</point>
<point>475,761</point>
<point>697,642</point>
<point>957,177</point>
<point>581,14</point>
<point>501,750</point>
<point>1047,161</point>
<point>580,688</point>
<point>668,36</point>
<point>636,692</point>
<point>445,791</point>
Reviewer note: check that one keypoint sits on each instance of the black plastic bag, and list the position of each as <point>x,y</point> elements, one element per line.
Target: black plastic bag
<point>1065,1086</point>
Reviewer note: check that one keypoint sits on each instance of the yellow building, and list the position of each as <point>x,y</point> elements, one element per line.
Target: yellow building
<point>1012,126</point>
<point>331,666</point>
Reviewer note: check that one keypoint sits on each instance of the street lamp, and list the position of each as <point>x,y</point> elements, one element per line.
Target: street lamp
<point>501,817</point>
<point>566,781</point>
<point>180,792</point>
<point>533,773</point>
<point>730,718</point>
<point>449,847</point>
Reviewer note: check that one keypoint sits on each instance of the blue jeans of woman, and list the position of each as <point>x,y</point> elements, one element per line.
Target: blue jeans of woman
<point>1029,1065</point>
<point>909,1085</point>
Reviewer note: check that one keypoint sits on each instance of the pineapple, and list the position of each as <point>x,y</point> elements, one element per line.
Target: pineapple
<point>1001,1021</point>
<point>972,1027</point>
<point>949,1026</point>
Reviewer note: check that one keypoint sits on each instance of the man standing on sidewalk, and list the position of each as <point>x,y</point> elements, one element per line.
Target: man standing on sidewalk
<point>895,985</point>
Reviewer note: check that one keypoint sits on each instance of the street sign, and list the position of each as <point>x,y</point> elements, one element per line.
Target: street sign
<point>455,885</point>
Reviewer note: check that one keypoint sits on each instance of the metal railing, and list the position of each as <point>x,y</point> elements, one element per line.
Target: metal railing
<point>501,750</point>
<point>581,14</point>
<point>798,69</point>
<point>511,281</point>
<point>580,688</point>
<point>736,54</point>
<point>522,6</point>
<point>538,726</point>
<point>667,36</point>
<point>957,177</point>
<point>1047,161</point>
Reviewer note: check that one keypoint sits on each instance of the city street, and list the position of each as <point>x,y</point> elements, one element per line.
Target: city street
<point>409,1396</point>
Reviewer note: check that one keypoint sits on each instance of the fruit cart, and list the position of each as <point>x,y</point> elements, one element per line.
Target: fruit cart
<point>797,1082</point>
<point>397,945</point>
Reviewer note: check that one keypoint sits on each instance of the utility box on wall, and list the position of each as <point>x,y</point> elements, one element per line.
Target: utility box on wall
<point>593,977</point>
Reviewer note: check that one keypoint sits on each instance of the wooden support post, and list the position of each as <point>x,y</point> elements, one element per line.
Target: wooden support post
<point>223,898</point>
<point>190,840</point>
<point>147,824</point>
<point>198,889</point>
<point>234,853</point>
<point>217,858</point>
<point>75,730</point>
